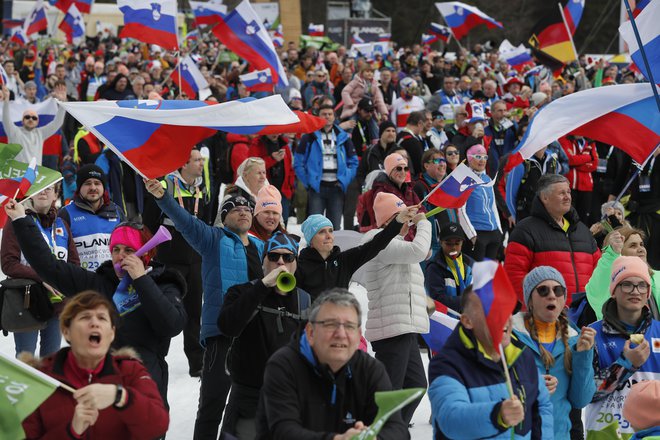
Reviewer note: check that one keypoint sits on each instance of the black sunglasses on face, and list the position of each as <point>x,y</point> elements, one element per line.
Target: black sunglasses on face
<point>544,291</point>
<point>34,118</point>
<point>274,257</point>
<point>401,169</point>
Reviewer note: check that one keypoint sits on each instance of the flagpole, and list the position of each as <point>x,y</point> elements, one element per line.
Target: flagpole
<point>179,67</point>
<point>506,372</point>
<point>568,31</point>
<point>641,49</point>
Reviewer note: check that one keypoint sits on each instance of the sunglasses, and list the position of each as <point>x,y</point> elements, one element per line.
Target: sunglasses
<point>451,153</point>
<point>544,291</point>
<point>480,156</point>
<point>274,257</point>
<point>437,161</point>
<point>34,118</point>
<point>399,169</point>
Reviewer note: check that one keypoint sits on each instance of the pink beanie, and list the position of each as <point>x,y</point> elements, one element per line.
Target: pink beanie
<point>385,206</point>
<point>475,149</point>
<point>127,236</point>
<point>624,267</point>
<point>268,199</point>
<point>641,405</point>
<point>394,160</point>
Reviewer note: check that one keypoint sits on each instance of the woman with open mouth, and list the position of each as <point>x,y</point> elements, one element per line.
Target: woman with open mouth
<point>563,356</point>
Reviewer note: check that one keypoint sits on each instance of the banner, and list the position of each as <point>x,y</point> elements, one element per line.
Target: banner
<point>45,176</point>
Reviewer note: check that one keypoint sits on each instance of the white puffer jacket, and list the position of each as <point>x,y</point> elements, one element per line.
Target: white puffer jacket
<point>395,286</point>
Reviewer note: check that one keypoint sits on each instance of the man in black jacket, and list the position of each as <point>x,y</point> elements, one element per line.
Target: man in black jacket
<point>321,385</point>
<point>260,318</point>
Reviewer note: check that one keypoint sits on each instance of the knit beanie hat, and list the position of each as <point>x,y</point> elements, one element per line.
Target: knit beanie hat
<point>91,171</point>
<point>312,225</point>
<point>537,276</point>
<point>385,206</point>
<point>624,267</point>
<point>641,405</point>
<point>268,199</point>
<point>384,126</point>
<point>128,236</point>
<point>280,240</point>
<point>232,202</point>
<point>392,161</point>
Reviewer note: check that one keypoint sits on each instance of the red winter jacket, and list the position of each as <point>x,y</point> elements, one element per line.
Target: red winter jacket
<point>581,163</point>
<point>239,150</point>
<point>258,149</point>
<point>143,417</point>
<point>539,241</point>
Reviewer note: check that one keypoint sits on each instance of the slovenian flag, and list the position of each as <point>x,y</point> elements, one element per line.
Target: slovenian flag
<point>442,32</point>
<point>639,7</point>
<point>315,30</point>
<point>441,325</point>
<point>208,13</point>
<point>36,21</point>
<point>429,38</point>
<point>462,18</point>
<point>277,36</point>
<point>84,6</point>
<point>150,22</point>
<point>155,137</point>
<point>624,115</point>
<point>491,284</point>
<point>19,36</point>
<point>72,25</point>
<point>244,34</point>
<point>517,57</point>
<point>647,25</point>
<point>190,77</point>
<point>456,188</point>
<point>258,81</point>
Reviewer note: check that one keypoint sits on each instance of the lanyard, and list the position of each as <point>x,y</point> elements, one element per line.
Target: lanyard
<point>51,242</point>
<point>461,281</point>
<point>196,196</point>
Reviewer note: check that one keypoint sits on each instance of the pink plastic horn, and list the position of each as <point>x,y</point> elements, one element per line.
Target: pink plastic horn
<point>161,236</point>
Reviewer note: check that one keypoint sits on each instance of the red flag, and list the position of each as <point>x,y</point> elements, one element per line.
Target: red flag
<point>492,286</point>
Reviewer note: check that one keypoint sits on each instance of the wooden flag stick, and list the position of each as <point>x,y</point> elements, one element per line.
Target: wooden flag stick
<point>506,371</point>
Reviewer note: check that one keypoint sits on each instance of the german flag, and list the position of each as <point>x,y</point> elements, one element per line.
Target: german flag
<point>550,36</point>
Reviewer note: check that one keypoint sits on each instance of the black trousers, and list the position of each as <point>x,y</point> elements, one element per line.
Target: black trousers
<point>214,389</point>
<point>487,246</point>
<point>192,302</point>
<point>582,204</point>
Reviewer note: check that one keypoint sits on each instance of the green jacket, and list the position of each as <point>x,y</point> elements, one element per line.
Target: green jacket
<point>598,287</point>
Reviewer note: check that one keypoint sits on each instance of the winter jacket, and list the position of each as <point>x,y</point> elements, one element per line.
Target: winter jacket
<point>502,141</point>
<point>239,150</point>
<point>357,89</point>
<point>148,329</point>
<point>258,148</point>
<point>382,183</point>
<point>302,399</point>
<point>467,390</point>
<point>314,274</point>
<point>481,208</point>
<point>522,182</point>
<point>143,417</point>
<point>220,248</point>
<point>598,287</point>
<point>647,434</point>
<point>582,162</point>
<point>539,241</point>
<point>415,145</point>
<point>614,373</point>
<point>440,283</point>
<point>573,390</point>
<point>395,286</point>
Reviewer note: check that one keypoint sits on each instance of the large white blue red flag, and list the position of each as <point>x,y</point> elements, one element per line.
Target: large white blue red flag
<point>73,25</point>
<point>517,57</point>
<point>258,81</point>
<point>19,36</point>
<point>624,115</point>
<point>441,325</point>
<point>315,30</point>
<point>46,111</point>
<point>244,34</point>
<point>150,22</point>
<point>462,18</point>
<point>639,6</point>
<point>648,24</point>
<point>36,21</point>
<point>208,13</point>
<point>155,137</point>
<point>456,188</point>
<point>189,76</point>
<point>442,32</point>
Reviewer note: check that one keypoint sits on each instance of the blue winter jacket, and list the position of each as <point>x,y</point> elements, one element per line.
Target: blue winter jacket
<point>308,159</point>
<point>467,390</point>
<point>440,283</point>
<point>224,260</point>
<point>573,391</point>
<point>481,208</point>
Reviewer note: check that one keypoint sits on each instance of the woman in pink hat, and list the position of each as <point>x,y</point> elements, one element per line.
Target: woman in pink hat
<point>267,214</point>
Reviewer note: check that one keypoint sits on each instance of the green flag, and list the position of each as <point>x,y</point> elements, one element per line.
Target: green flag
<point>324,43</point>
<point>388,403</point>
<point>45,176</point>
<point>25,387</point>
<point>10,423</point>
<point>8,151</point>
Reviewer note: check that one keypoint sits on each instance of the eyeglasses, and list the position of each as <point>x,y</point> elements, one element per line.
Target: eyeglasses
<point>451,153</point>
<point>332,325</point>
<point>34,118</point>
<point>437,161</point>
<point>544,291</point>
<point>399,169</point>
<point>629,286</point>
<point>274,257</point>
<point>480,156</point>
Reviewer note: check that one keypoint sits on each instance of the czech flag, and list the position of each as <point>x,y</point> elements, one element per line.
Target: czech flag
<point>428,39</point>
<point>462,18</point>
<point>456,188</point>
<point>17,187</point>
<point>191,79</point>
<point>315,30</point>
<point>36,21</point>
<point>491,284</point>
<point>18,36</point>
<point>72,25</point>
<point>150,22</point>
<point>258,81</point>
<point>244,34</point>
<point>573,10</point>
<point>441,325</point>
<point>517,57</point>
<point>647,25</point>
<point>442,32</point>
<point>624,115</point>
<point>208,13</point>
<point>155,137</point>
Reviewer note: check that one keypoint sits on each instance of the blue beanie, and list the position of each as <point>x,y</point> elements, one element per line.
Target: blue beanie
<point>281,241</point>
<point>537,276</point>
<point>312,225</point>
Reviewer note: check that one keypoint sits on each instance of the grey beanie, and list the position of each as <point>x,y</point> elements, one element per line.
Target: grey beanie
<point>537,276</point>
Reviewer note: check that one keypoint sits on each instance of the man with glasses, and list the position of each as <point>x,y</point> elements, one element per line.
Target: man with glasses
<point>260,317</point>
<point>320,385</point>
<point>318,86</point>
<point>229,257</point>
<point>627,348</point>
<point>30,136</point>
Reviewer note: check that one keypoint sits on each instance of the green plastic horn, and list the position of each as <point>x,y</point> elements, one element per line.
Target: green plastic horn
<point>286,282</point>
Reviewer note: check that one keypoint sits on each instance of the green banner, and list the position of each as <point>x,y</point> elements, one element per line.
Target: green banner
<point>9,151</point>
<point>45,176</point>
<point>323,43</point>
<point>388,403</point>
<point>10,423</point>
